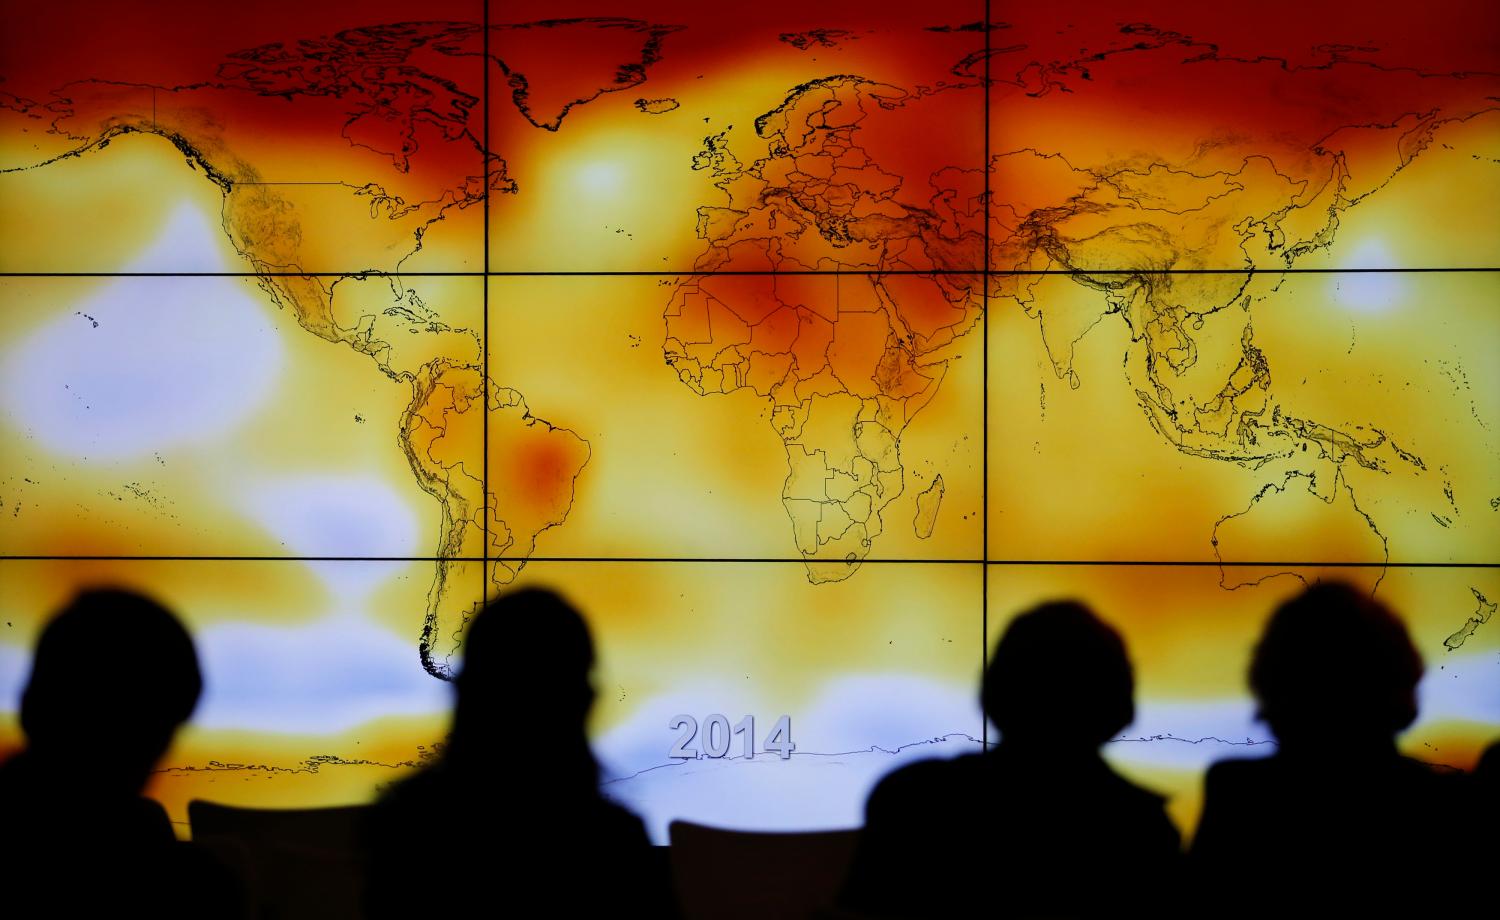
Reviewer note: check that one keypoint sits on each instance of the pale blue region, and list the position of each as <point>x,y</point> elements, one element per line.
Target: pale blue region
<point>15,670</point>
<point>190,242</point>
<point>171,361</point>
<point>338,515</point>
<point>855,713</point>
<point>811,791</point>
<point>889,711</point>
<point>845,745</point>
<point>334,515</point>
<point>324,677</point>
<point>1370,292</point>
<point>1461,687</point>
<point>1182,752</point>
<point>1190,735</point>
<point>856,730</point>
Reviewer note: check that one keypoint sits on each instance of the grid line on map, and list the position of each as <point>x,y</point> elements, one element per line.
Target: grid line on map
<point>772,560</point>
<point>659,273</point>
<point>984,328</point>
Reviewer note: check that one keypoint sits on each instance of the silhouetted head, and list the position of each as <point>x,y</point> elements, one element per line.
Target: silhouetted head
<point>1059,677</point>
<point>1335,668</point>
<point>113,677</point>
<point>1487,771</point>
<point>525,674</point>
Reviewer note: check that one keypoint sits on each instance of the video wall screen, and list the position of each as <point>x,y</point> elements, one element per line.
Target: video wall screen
<point>800,345</point>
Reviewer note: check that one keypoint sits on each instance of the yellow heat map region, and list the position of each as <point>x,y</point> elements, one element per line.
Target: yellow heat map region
<point>802,349</point>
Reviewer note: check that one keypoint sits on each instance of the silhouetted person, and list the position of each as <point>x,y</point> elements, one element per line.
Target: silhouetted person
<point>1488,770</point>
<point>1335,820</point>
<point>1039,826</point>
<point>510,822</point>
<point>1487,782</point>
<point>113,677</point>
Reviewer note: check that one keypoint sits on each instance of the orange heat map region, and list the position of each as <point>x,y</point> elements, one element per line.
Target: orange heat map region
<point>803,345</point>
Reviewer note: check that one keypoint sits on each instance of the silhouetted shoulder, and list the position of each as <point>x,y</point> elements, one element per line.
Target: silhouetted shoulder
<point>622,825</point>
<point>915,828</point>
<point>1128,794</point>
<point>1488,769</point>
<point>1323,829</point>
<point>918,785</point>
<point>1400,789</point>
<point>85,854</point>
<point>1236,774</point>
<point>1284,775</point>
<point>1232,788</point>
<point>39,809</point>
<point>418,790</point>
<point>1041,818</point>
<point>1028,822</point>
<point>1088,789</point>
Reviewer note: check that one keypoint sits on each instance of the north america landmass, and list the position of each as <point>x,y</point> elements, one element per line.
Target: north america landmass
<point>831,284</point>
<point>391,88</point>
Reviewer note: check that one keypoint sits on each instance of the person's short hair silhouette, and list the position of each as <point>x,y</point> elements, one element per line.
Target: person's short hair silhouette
<point>1041,820</point>
<point>1487,788</point>
<point>1059,675</point>
<point>1336,818</point>
<point>1334,666</point>
<point>113,676</point>
<point>1487,771</point>
<point>512,810</point>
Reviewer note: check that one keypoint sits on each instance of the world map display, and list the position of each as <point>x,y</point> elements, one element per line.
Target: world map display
<point>801,345</point>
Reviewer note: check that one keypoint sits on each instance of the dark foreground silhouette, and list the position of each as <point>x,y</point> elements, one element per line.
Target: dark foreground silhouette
<point>510,821</point>
<point>1038,826</point>
<point>113,677</point>
<point>1487,773</point>
<point>1487,781</point>
<point>1336,820</point>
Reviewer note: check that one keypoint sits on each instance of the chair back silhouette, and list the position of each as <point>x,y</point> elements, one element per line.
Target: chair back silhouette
<point>296,862</point>
<point>739,875</point>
